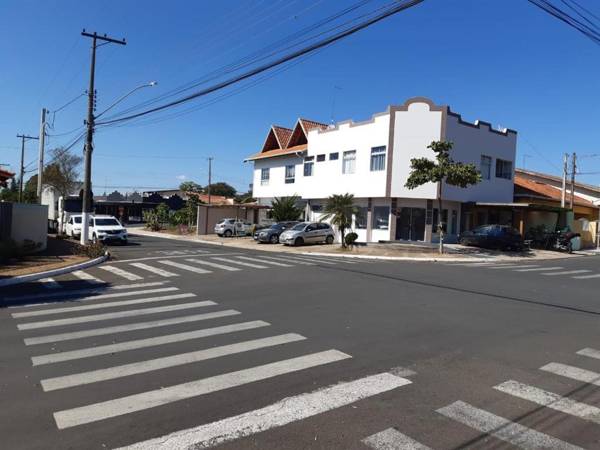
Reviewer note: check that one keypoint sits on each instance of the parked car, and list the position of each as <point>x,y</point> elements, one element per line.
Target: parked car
<point>308,233</point>
<point>230,227</point>
<point>107,229</point>
<point>73,226</point>
<point>258,228</point>
<point>502,237</point>
<point>272,233</point>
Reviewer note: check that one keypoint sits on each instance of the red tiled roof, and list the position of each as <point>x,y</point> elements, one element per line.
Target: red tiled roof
<point>5,175</point>
<point>283,135</point>
<point>214,199</point>
<point>310,125</point>
<point>544,190</point>
<point>278,152</point>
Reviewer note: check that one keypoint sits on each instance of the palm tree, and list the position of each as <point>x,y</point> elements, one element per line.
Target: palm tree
<point>339,209</point>
<point>285,208</point>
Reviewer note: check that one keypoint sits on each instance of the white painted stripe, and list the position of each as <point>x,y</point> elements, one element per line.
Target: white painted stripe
<point>156,270</point>
<point>111,373</point>
<point>590,353</point>
<point>184,266</point>
<point>585,277</point>
<point>215,265</point>
<point>52,358</point>
<point>69,309</point>
<point>313,259</point>
<point>512,266</point>
<point>283,412</point>
<point>473,264</point>
<point>83,292</point>
<point>550,400</point>
<point>294,260</point>
<point>334,260</point>
<point>49,283</point>
<point>86,277</point>
<point>241,263</point>
<point>150,258</point>
<point>128,327</point>
<point>163,396</point>
<point>539,269</point>
<point>568,272</point>
<point>113,315</point>
<point>122,273</point>
<point>265,261</point>
<point>392,439</point>
<point>575,373</point>
<point>503,429</point>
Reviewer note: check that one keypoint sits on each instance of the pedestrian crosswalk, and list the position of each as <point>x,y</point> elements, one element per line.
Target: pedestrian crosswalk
<point>532,269</point>
<point>489,423</point>
<point>118,316</point>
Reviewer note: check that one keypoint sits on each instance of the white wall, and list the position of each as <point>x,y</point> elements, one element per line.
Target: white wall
<point>30,222</point>
<point>469,144</point>
<point>414,130</point>
<point>277,186</point>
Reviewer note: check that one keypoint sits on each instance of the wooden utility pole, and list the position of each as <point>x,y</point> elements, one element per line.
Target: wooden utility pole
<point>41,155</point>
<point>209,177</point>
<point>573,171</point>
<point>23,138</point>
<point>563,193</point>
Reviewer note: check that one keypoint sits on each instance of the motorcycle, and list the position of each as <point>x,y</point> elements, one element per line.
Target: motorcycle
<point>564,241</point>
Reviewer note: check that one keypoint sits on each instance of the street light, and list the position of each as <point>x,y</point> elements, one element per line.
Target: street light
<point>123,97</point>
<point>87,181</point>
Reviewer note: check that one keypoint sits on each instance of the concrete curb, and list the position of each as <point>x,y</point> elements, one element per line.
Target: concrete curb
<point>52,273</point>
<point>405,258</point>
<point>175,237</point>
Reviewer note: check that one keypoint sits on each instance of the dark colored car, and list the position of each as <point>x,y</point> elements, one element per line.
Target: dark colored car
<point>503,237</point>
<point>272,233</point>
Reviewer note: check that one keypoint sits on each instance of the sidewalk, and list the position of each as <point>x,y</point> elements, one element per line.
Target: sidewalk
<point>392,251</point>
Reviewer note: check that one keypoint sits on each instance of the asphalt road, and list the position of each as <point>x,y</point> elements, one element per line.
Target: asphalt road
<point>182,345</point>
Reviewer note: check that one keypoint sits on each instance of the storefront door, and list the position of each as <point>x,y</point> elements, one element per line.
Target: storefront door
<point>410,224</point>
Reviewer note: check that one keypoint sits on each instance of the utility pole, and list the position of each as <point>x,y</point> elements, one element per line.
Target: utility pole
<point>563,196</point>
<point>41,156</point>
<point>209,177</point>
<point>23,138</point>
<point>86,207</point>
<point>573,170</point>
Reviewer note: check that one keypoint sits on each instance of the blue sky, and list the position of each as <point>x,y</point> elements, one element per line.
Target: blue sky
<point>505,62</point>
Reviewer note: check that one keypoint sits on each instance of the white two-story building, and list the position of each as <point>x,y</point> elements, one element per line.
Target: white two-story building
<point>371,160</point>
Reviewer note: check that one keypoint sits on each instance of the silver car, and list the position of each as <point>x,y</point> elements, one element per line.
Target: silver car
<point>308,233</point>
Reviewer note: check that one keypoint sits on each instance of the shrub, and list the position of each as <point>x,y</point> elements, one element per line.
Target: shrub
<point>351,239</point>
<point>151,219</point>
<point>91,250</point>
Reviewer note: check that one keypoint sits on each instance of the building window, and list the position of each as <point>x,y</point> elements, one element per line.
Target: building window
<point>264,176</point>
<point>503,169</point>
<point>377,158</point>
<point>360,218</point>
<point>290,174</point>
<point>485,167</point>
<point>381,217</point>
<point>349,162</point>
<point>320,158</point>
<point>334,156</point>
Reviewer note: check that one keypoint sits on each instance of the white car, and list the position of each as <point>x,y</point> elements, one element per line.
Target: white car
<point>231,227</point>
<point>73,226</point>
<point>107,228</point>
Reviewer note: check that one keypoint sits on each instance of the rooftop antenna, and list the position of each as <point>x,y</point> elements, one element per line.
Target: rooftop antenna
<point>334,89</point>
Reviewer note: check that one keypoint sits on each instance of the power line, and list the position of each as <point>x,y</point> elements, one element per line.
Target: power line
<point>561,15</point>
<point>296,54</point>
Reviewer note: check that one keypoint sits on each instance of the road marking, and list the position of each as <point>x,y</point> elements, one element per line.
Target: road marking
<point>113,315</point>
<point>49,283</point>
<point>539,269</point>
<point>137,301</point>
<point>83,292</point>
<point>151,399</point>
<point>568,272</point>
<point>575,373</point>
<point>184,266</point>
<point>111,373</point>
<point>392,439</point>
<point>334,259</point>
<point>511,266</point>
<point>215,265</point>
<point>501,428</point>
<point>471,264</point>
<point>52,358</point>
<point>550,400</point>
<point>122,273</point>
<point>241,263</point>
<point>264,261</point>
<point>151,258</point>
<point>156,270</point>
<point>283,412</point>
<point>128,327</point>
<point>87,277</point>
<point>585,277</point>
<point>313,259</point>
<point>295,260</point>
<point>590,353</point>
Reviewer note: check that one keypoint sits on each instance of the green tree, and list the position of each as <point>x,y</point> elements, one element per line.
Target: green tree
<point>30,190</point>
<point>245,197</point>
<point>190,186</point>
<point>222,188</point>
<point>339,208</point>
<point>162,213</point>
<point>63,172</point>
<point>284,209</point>
<point>442,169</point>
<point>10,193</point>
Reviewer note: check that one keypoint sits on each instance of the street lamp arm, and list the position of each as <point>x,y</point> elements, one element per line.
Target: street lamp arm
<point>123,97</point>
